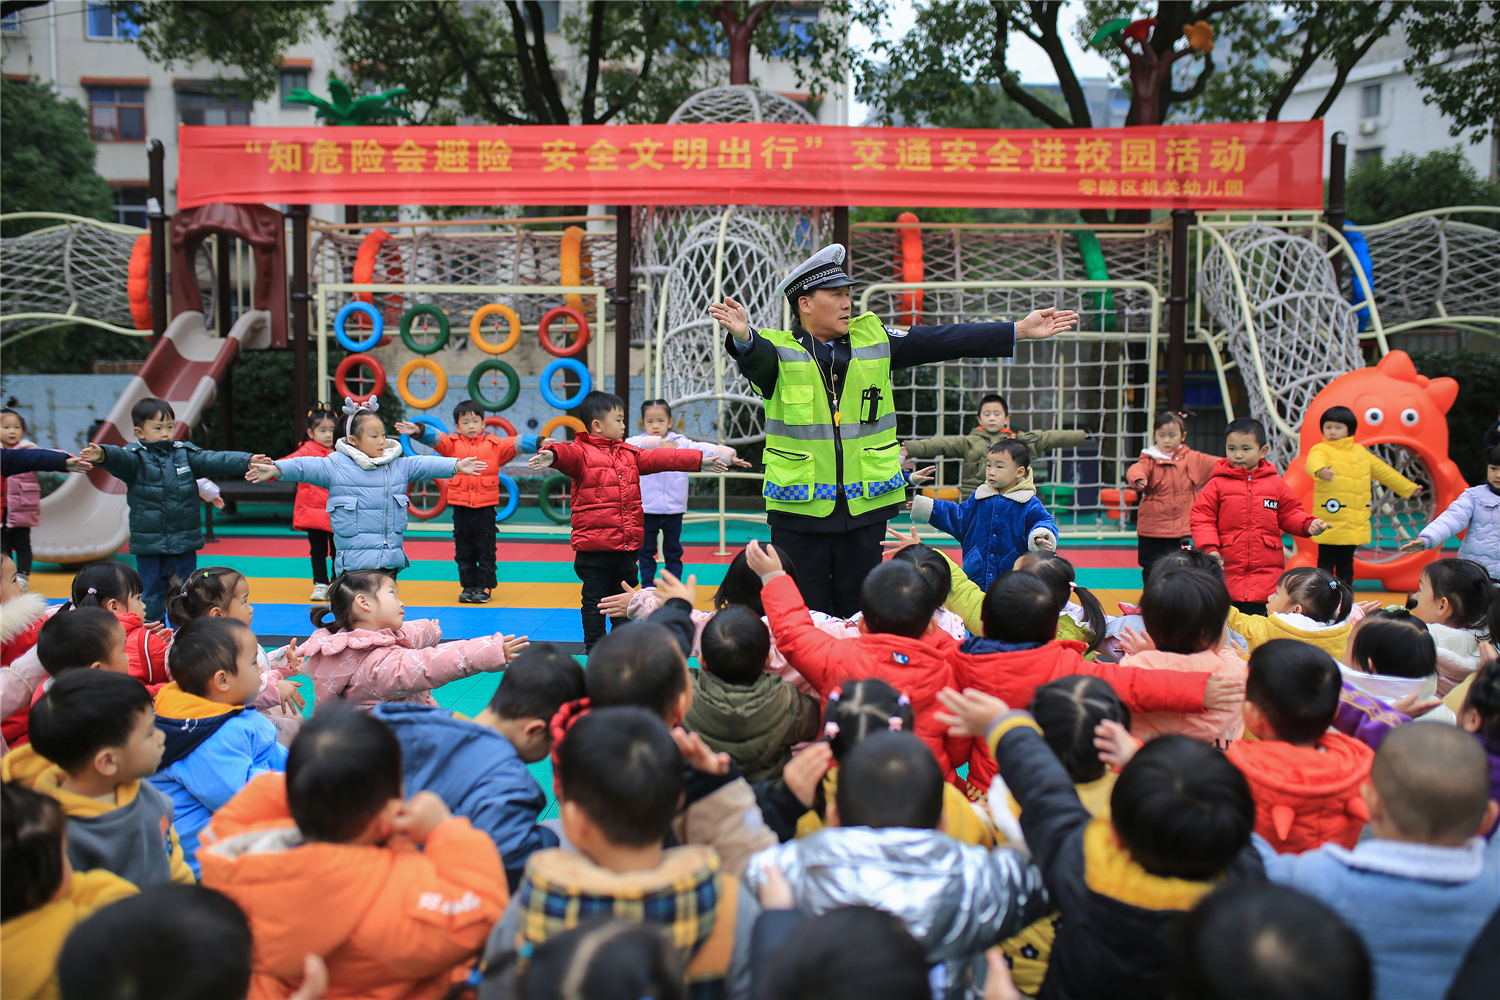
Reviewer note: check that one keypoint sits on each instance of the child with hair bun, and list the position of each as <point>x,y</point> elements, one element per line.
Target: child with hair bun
<point>310,512</point>
<point>1309,605</point>
<point>1168,478</point>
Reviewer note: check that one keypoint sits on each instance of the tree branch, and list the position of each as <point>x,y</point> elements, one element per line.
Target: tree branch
<point>1380,31</point>
<point>1310,53</point>
<point>1045,16</point>
<point>471,73</point>
<point>649,21</point>
<point>1199,85</point>
<point>542,62</point>
<point>591,79</point>
<point>1013,89</point>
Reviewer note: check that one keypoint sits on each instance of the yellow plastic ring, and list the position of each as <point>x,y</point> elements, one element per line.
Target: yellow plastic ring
<point>422,364</point>
<point>562,421</point>
<point>476,328</point>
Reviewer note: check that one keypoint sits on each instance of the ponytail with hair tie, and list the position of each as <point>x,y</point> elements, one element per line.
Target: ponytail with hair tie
<point>566,717</point>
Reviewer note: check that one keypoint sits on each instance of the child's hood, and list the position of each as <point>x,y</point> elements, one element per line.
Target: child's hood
<point>1176,455</point>
<point>1323,775</point>
<point>1016,660</point>
<point>1389,688</point>
<point>416,634</point>
<point>1223,469</point>
<point>390,454</point>
<point>174,703</point>
<point>20,614</point>
<point>29,768</point>
<point>42,931</point>
<point>1020,492</point>
<point>1301,625</point>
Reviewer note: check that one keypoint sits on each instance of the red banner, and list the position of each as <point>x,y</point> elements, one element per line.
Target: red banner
<point>1272,165</point>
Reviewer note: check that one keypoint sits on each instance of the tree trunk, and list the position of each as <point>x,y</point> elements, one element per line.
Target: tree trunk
<point>739,33</point>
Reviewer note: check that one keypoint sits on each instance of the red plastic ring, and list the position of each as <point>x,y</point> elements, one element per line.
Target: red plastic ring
<point>572,349</point>
<point>498,421</point>
<point>347,365</point>
<point>428,515</point>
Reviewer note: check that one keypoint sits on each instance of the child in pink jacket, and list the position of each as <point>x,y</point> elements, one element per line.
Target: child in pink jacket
<point>369,653</point>
<point>1168,478</point>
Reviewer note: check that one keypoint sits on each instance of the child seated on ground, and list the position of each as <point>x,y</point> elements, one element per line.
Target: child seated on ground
<point>892,644</point>
<point>1453,597</point>
<point>619,775</point>
<point>993,429</point>
<point>884,847</point>
<point>116,588</point>
<point>1480,715</point>
<point>22,615</point>
<point>1310,605</point>
<point>325,859</point>
<point>739,708</point>
<point>78,638</point>
<point>1083,620</point>
<point>1305,777</point>
<point>94,741</point>
<point>370,653</point>
<point>1180,822</point>
<point>479,768</point>
<point>596,957</point>
<point>1000,520</point>
<point>215,743</point>
<point>848,953</point>
<point>1421,888</point>
<point>1391,657</point>
<point>41,897</point>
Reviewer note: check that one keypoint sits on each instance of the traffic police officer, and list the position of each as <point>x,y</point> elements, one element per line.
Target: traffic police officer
<point>832,461</point>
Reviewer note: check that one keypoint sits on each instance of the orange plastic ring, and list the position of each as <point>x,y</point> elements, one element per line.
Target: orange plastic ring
<point>574,348</point>
<point>422,364</point>
<point>347,365</point>
<point>138,282</point>
<point>432,512</point>
<point>476,328</point>
<point>563,421</point>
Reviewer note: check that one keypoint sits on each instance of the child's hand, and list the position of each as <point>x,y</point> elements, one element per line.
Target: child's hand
<point>1139,485</point>
<point>905,457</point>
<point>922,477</point>
<point>972,711</point>
<point>159,630</point>
<point>762,560</point>
<point>420,815</point>
<point>999,984</point>
<point>803,772</point>
<point>1415,545</point>
<point>513,645</point>
<point>901,541</point>
<point>1046,543</point>
<point>291,695</point>
<point>77,465</point>
<point>92,453</point>
<point>293,659</point>
<point>1115,744</point>
<point>711,463</point>
<point>1317,527</point>
<point>407,427</point>
<point>469,466</point>
<point>262,473</point>
<point>1216,557</point>
<point>1410,706</point>
<point>542,459</point>
<point>1135,642</point>
<point>1326,474</point>
<point>314,979</point>
<point>1222,693</point>
<point>614,605</point>
<point>697,755</point>
<point>218,502</point>
<point>740,463</point>
<point>775,891</point>
<point>668,587</point>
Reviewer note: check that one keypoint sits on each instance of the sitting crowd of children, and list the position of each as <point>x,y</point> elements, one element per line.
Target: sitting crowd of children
<point>982,785</point>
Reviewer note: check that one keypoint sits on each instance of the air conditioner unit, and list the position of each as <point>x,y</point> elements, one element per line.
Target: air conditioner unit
<point>1369,126</point>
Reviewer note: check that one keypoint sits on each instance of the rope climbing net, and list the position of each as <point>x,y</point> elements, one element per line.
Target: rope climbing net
<point>739,103</point>
<point>77,269</point>
<point>1429,267</point>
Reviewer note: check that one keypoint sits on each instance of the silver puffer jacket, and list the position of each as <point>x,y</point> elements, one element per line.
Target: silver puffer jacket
<point>956,899</point>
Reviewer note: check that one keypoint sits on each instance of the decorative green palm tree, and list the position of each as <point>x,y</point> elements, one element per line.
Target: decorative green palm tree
<point>346,109</point>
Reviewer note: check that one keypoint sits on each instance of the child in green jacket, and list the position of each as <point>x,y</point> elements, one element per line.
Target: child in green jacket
<point>994,427</point>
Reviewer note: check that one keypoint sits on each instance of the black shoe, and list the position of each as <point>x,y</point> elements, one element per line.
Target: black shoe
<point>467,597</point>
<point>481,595</point>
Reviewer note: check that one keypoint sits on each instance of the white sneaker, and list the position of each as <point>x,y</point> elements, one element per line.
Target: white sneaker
<point>320,592</point>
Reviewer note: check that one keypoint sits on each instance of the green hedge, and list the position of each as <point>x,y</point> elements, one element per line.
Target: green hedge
<point>1474,410</point>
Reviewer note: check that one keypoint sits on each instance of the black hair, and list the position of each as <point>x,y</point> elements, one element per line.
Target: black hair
<point>317,415</point>
<point>205,590</point>
<point>1196,559</point>
<point>1434,782</point>
<point>1020,607</point>
<point>604,959</point>
<point>1058,573</point>
<point>1492,456</point>
<point>1185,611</point>
<point>891,779</point>
<point>639,665</point>
<point>341,770</point>
<point>1166,418</point>
<point>994,397</point>
<point>647,404</point>
<point>1259,939</point>
<point>1339,415</point>
<point>1394,644</point>
<point>1484,698</point>
<point>106,581</point>
<point>357,420</point>
<point>31,849</point>
<point>735,646</point>
<point>169,942</point>
<point>468,408</point>
<point>896,599</point>
<point>934,568</point>
<point>1182,809</point>
<point>848,953</point>
<point>622,768</point>
<point>345,588</point>
<point>77,638</point>
<point>83,712</point>
<point>598,405</point>
<point>1248,425</point>
<point>1323,597</point>
<point>202,648</point>
<point>537,683</point>
<point>1068,709</point>
<point>151,408</point>
<point>859,710</point>
<point>1296,687</point>
<point>741,584</point>
<point>8,412</point>
<point>1467,586</point>
<point>1017,450</point>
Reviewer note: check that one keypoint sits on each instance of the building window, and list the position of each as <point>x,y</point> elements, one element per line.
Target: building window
<point>1364,157</point>
<point>130,206</point>
<point>117,114</point>
<point>104,23</point>
<point>199,107</point>
<point>10,24</point>
<point>1370,101</point>
<point>292,79</point>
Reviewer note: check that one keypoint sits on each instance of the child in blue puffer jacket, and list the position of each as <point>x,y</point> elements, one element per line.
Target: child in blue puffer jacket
<point>366,480</point>
<point>1000,521</point>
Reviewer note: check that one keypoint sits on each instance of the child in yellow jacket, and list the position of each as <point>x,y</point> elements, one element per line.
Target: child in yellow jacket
<point>1341,469</point>
<point>1309,605</point>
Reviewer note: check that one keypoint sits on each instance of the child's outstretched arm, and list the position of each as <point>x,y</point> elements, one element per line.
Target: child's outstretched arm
<point>1292,518</point>
<point>952,446</point>
<point>314,471</point>
<point>428,435</point>
<point>405,672</point>
<point>670,460</point>
<point>112,459</point>
<point>419,467</point>
<point>1447,524</point>
<point>216,464</point>
<point>945,515</point>
<point>1041,529</point>
<point>813,653</point>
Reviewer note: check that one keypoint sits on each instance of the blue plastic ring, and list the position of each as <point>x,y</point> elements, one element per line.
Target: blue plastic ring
<point>585,386</point>
<point>513,494</point>
<point>377,326</point>
<point>433,422</point>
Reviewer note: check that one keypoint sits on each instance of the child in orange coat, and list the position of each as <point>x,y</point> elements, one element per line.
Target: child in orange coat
<point>395,896</point>
<point>473,498</point>
<point>310,512</point>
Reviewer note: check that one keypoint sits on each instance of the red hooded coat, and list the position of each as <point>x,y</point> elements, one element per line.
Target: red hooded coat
<point>1241,514</point>
<point>606,474</point>
<point>1306,796</point>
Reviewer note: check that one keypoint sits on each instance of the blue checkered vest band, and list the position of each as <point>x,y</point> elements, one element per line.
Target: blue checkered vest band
<point>801,463</point>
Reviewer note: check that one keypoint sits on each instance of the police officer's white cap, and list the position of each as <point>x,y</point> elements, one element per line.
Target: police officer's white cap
<point>824,269</point>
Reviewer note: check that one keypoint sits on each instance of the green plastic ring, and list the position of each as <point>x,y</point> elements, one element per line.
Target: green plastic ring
<point>512,385</point>
<point>424,310</point>
<point>545,501</point>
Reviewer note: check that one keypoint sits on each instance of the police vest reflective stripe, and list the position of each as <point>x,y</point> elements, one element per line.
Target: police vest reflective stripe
<point>801,463</point>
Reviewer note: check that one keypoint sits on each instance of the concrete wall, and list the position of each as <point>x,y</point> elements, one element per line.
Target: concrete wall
<point>58,409</point>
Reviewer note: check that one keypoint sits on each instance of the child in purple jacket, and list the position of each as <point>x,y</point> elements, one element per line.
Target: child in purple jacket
<point>1480,715</point>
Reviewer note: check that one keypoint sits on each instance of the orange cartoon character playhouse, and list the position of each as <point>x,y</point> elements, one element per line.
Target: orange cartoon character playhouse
<point>1396,407</point>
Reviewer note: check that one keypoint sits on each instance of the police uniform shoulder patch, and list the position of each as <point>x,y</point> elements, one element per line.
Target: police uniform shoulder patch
<point>891,331</point>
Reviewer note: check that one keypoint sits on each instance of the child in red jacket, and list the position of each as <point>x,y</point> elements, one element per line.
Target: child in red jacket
<point>609,522</point>
<point>117,588</point>
<point>310,512</point>
<point>1241,513</point>
<point>473,498</point>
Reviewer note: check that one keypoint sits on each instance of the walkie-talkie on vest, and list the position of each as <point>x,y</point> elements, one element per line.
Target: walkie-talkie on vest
<point>871,396</point>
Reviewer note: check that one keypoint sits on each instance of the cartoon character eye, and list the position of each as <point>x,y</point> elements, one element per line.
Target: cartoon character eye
<point>1409,417</point>
<point>1374,415</point>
